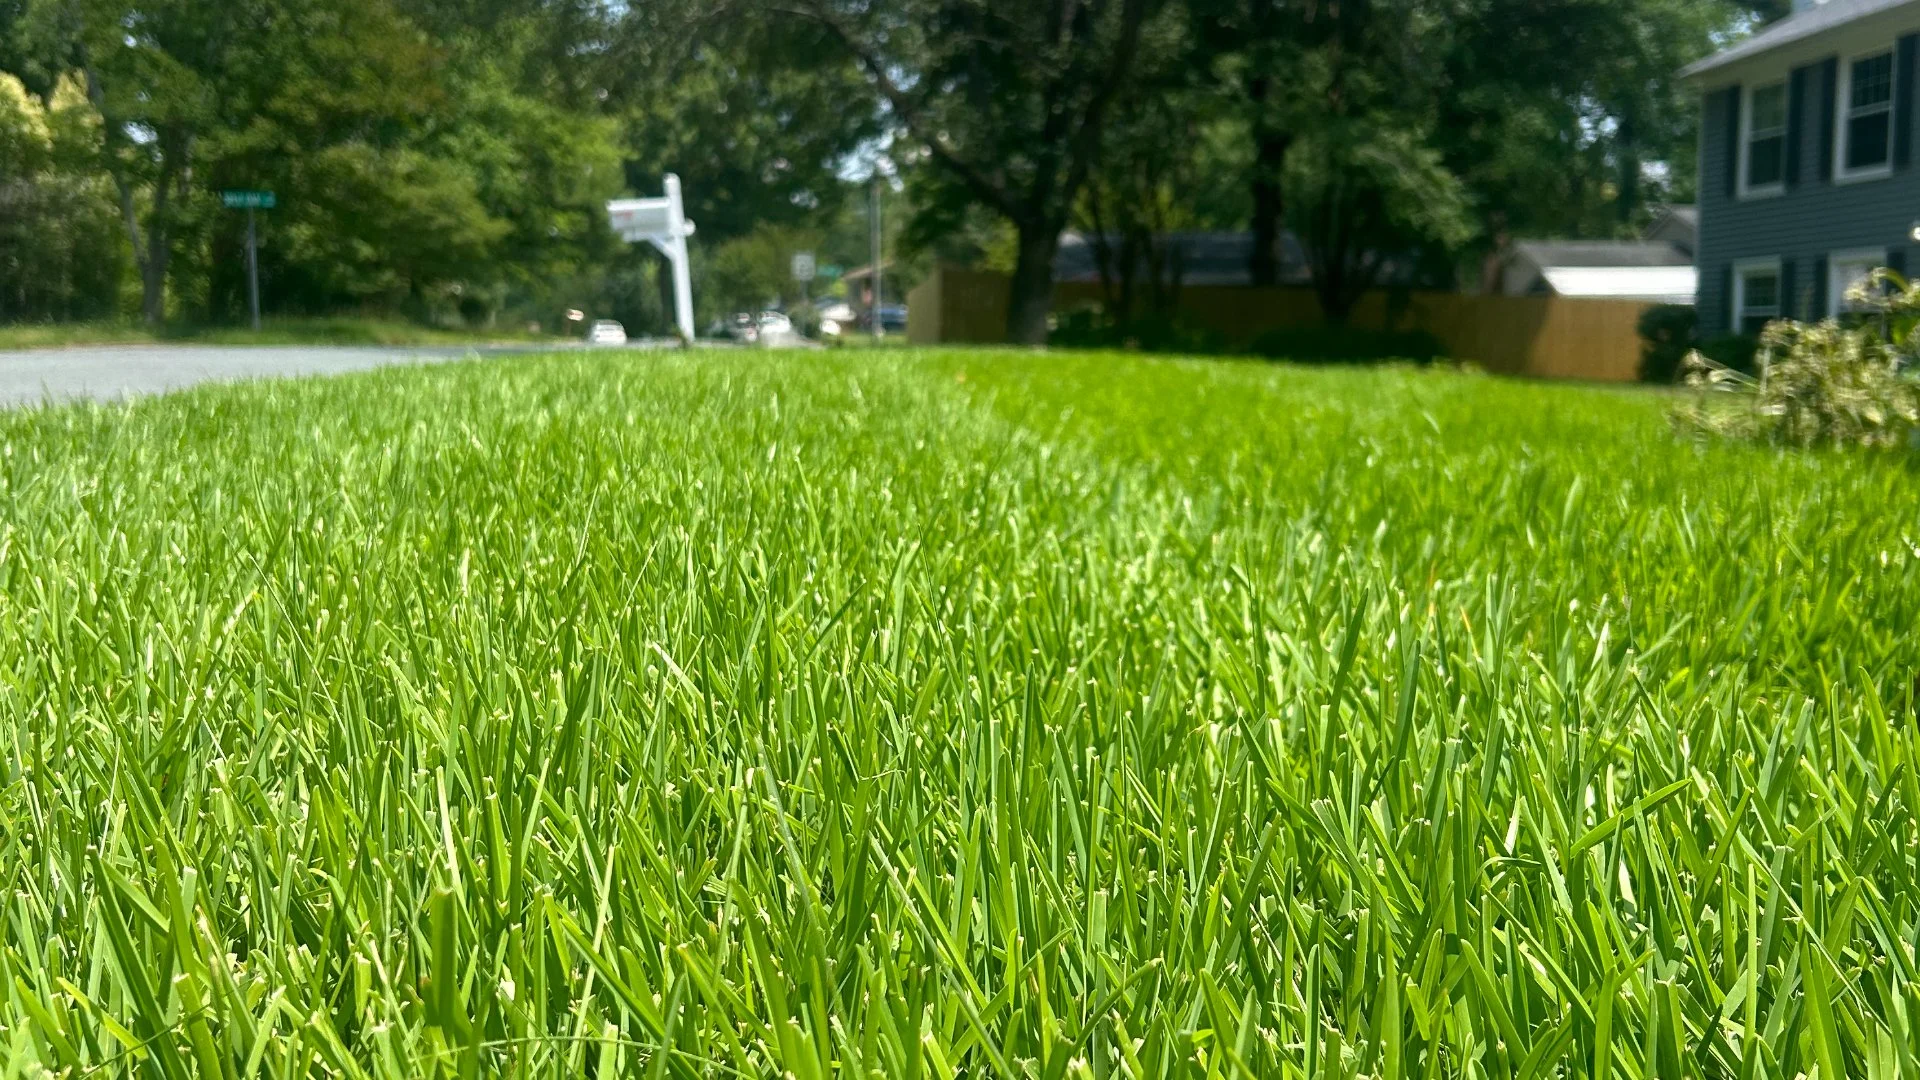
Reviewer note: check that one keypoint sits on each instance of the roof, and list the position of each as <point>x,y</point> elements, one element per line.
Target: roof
<point>1817,18</point>
<point>1203,258</point>
<point>1685,213</point>
<point>1657,284</point>
<point>1595,253</point>
<point>1209,258</point>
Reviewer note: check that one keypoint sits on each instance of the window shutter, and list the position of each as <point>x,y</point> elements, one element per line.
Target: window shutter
<point>1829,101</point>
<point>1897,260</point>
<point>1732,108</point>
<point>1903,60</point>
<point>1796,123</point>
<point>1789,294</point>
<point>1726,297</point>
<point>1819,289</point>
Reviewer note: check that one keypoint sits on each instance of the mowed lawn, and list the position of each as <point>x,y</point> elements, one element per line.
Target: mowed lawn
<point>949,714</point>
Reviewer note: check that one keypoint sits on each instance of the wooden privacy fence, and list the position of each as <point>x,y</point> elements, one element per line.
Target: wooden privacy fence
<point>1545,336</point>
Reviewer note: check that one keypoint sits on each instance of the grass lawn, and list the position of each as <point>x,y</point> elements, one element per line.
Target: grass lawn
<point>924,715</point>
<point>330,331</point>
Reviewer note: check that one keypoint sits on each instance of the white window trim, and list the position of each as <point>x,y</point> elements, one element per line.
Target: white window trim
<point>1843,104</point>
<point>1740,271</point>
<point>1837,289</point>
<point>1779,187</point>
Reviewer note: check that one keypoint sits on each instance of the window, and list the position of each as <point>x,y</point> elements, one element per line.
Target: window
<point>1756,294</point>
<point>1866,117</point>
<point>1764,147</point>
<point>1845,269</point>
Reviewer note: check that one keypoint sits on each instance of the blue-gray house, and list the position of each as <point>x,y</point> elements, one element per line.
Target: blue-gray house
<point>1808,177</point>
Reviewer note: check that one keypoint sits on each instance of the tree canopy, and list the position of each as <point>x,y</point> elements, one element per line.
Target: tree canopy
<point>448,159</point>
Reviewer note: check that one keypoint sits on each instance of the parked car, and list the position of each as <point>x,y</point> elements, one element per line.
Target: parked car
<point>838,317</point>
<point>740,326</point>
<point>893,319</point>
<point>607,332</point>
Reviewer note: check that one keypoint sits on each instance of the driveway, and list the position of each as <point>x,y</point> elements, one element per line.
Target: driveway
<point>104,372</point>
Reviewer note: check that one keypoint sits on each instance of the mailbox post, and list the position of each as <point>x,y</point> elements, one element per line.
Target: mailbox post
<point>663,223</point>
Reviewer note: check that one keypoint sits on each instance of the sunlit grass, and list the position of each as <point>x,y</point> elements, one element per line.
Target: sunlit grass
<point>926,715</point>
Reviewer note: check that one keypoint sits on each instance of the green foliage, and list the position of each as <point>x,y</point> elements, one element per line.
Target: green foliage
<point>1666,336</point>
<point>755,114</point>
<point>60,248</point>
<point>1834,383</point>
<point>753,271</point>
<point>974,714</point>
<point>1565,117</point>
<point>1347,345</point>
<point>1153,332</point>
<point>1669,333</point>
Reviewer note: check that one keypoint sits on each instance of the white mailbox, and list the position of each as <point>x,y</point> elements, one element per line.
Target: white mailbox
<point>663,223</point>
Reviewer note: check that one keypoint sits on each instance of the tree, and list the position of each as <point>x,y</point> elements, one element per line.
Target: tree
<point>1008,98</point>
<point>756,116</point>
<point>1253,47</point>
<point>59,257</point>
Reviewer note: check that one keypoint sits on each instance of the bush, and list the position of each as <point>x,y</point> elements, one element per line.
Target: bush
<point>1667,333</point>
<point>1831,383</point>
<point>1736,352</point>
<point>1090,328</point>
<point>1670,332</point>
<point>1348,345</point>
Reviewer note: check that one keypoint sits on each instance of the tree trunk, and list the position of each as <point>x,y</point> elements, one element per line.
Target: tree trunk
<point>1269,201</point>
<point>1030,299</point>
<point>1627,198</point>
<point>153,282</point>
<point>1269,209</point>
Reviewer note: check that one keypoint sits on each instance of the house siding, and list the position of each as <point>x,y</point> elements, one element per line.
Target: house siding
<point>1815,217</point>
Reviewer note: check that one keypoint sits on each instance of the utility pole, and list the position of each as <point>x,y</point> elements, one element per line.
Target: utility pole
<point>873,237</point>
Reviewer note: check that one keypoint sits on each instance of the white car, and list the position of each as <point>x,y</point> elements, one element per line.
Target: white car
<point>607,332</point>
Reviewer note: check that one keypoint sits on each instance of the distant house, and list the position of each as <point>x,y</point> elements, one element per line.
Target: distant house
<point>1190,258</point>
<point>1650,270</point>
<point>1202,258</point>
<point>1807,171</point>
<point>1678,226</point>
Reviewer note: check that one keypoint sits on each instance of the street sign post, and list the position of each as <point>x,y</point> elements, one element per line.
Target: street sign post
<point>250,201</point>
<point>663,223</point>
<point>803,273</point>
<point>247,200</point>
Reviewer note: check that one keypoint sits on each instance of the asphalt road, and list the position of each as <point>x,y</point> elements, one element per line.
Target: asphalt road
<point>106,372</point>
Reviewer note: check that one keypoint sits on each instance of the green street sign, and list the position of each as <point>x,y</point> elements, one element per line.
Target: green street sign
<point>247,200</point>
<point>829,270</point>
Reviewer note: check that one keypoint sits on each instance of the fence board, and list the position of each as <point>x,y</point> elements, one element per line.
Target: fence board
<point>1542,336</point>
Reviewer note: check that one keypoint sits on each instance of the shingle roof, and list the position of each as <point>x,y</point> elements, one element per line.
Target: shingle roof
<point>1685,213</point>
<point>1797,27</point>
<point>1210,258</point>
<point>1203,258</point>
<point>1593,253</point>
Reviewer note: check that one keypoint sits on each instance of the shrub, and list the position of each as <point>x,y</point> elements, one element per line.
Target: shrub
<point>1671,331</point>
<point>1736,352</point>
<point>1348,345</point>
<point>1090,328</point>
<point>1830,383</point>
<point>1667,333</point>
